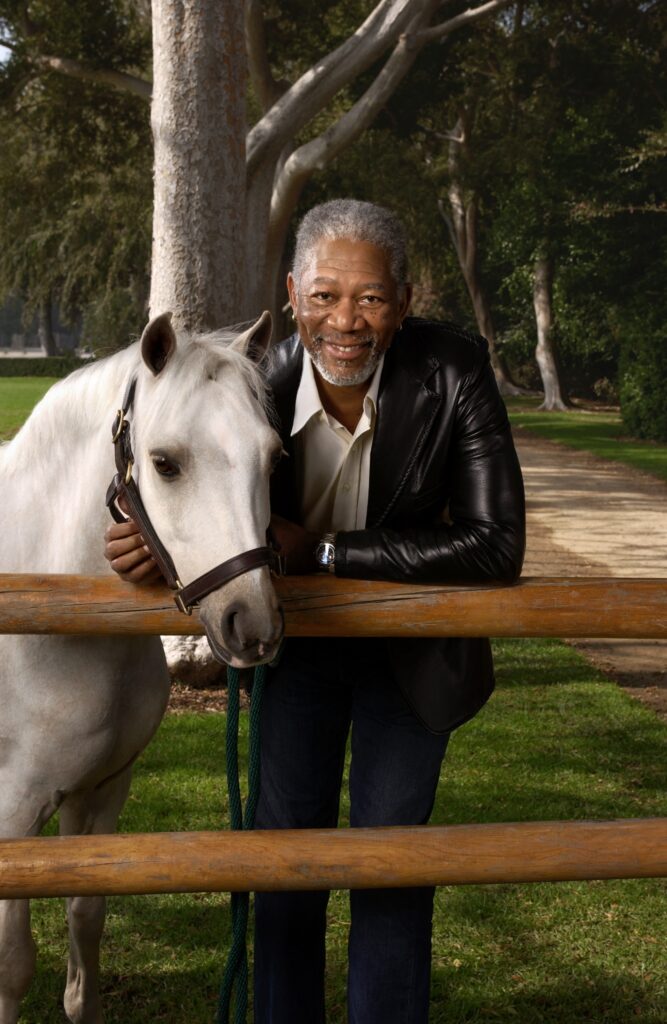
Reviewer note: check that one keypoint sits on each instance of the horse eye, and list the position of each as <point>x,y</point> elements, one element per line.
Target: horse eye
<point>165,467</point>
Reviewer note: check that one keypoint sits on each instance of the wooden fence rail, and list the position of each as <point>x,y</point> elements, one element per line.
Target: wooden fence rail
<point>352,858</point>
<point>550,851</point>
<point>326,606</point>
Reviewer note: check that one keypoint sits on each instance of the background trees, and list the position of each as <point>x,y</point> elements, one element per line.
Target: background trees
<point>522,142</point>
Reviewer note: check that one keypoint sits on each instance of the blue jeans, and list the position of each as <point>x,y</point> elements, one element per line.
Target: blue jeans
<point>319,688</point>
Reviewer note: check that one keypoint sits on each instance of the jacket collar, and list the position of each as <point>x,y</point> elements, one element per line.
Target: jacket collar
<point>409,398</point>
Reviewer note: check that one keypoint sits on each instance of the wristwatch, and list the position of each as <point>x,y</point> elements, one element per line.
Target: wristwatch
<point>325,552</point>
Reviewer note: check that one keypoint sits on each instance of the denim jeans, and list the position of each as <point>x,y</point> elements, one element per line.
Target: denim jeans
<point>318,690</point>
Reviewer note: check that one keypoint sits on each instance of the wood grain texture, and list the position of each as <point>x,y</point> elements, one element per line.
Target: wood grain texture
<point>338,859</point>
<point>326,606</point>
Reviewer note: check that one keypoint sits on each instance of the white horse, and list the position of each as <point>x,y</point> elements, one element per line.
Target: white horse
<point>77,711</point>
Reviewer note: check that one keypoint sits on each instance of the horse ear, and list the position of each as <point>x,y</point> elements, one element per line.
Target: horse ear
<point>158,343</point>
<point>255,341</point>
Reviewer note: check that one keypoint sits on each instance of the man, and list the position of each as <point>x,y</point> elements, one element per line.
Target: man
<point>401,467</point>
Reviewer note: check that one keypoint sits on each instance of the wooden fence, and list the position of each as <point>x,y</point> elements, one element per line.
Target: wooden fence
<point>354,858</point>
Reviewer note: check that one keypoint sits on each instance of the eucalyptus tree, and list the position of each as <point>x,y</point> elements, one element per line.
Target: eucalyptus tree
<point>223,196</point>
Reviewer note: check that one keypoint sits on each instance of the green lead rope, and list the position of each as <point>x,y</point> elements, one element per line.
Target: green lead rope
<point>235,980</point>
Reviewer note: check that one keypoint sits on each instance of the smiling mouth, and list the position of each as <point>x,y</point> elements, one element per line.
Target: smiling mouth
<point>345,352</point>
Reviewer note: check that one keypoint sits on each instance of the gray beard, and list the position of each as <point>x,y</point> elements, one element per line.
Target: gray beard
<point>341,378</point>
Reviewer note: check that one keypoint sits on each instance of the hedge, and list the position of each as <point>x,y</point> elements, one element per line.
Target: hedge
<point>40,366</point>
<point>643,389</point>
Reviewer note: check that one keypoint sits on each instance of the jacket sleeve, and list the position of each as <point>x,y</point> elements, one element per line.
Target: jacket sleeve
<point>486,538</point>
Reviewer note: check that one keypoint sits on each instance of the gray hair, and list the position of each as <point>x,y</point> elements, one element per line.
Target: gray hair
<point>357,221</point>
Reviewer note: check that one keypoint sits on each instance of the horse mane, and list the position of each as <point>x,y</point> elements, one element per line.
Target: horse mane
<point>79,401</point>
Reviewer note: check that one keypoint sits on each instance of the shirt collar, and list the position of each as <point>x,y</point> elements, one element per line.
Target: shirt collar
<point>308,401</point>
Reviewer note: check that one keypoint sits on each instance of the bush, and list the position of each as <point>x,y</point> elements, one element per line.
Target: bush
<point>643,389</point>
<point>44,366</point>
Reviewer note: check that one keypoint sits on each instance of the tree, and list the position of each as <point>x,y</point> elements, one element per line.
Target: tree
<point>198,125</point>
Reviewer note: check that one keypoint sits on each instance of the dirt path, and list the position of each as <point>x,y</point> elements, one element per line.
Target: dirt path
<point>591,517</point>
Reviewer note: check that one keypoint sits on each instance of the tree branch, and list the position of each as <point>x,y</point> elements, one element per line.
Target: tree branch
<point>267,89</point>
<point>464,18</point>
<point>103,76</point>
<point>319,152</point>
<point>326,77</point>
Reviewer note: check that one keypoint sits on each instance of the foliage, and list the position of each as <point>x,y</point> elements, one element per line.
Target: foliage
<point>75,168</point>
<point>38,366</point>
<point>644,378</point>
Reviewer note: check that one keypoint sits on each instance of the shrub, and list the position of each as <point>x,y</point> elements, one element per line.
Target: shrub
<point>643,381</point>
<point>44,366</point>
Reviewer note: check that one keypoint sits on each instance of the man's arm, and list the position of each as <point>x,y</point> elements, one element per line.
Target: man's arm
<point>486,540</point>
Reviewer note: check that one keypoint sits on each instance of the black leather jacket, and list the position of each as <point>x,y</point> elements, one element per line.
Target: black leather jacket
<point>446,501</point>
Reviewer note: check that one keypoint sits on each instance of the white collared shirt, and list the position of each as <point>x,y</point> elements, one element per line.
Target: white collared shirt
<point>332,465</point>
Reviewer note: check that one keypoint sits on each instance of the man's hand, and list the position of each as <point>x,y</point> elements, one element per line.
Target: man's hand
<point>296,545</point>
<point>127,554</point>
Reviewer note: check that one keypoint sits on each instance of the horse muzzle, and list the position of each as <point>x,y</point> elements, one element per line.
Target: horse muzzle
<point>244,621</point>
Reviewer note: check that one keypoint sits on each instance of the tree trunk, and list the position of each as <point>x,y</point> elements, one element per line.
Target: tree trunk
<point>198,122</point>
<point>45,328</point>
<point>461,220</point>
<point>545,351</point>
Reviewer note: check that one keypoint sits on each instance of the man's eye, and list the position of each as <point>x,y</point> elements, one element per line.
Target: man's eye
<point>323,296</point>
<point>165,467</point>
<point>371,300</point>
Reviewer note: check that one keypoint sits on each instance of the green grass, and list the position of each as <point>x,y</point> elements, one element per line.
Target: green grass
<point>601,433</point>
<point>556,741</point>
<point>18,395</point>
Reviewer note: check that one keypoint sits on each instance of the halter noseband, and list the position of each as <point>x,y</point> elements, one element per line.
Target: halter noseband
<point>123,485</point>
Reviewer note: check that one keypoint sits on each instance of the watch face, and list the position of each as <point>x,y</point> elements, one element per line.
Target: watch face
<point>325,553</point>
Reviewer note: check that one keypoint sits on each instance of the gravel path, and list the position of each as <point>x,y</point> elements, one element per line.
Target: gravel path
<point>591,517</point>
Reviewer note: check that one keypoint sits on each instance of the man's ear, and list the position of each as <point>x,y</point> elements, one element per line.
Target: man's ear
<point>254,342</point>
<point>158,343</point>
<point>292,292</point>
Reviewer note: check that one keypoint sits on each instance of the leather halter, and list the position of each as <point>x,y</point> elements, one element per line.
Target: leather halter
<point>123,485</point>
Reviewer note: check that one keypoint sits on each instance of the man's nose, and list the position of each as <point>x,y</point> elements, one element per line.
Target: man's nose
<point>346,316</point>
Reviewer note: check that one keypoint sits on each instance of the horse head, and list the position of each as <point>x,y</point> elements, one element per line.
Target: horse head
<point>203,452</point>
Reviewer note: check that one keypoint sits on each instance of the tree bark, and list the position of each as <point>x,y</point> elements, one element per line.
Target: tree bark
<point>45,328</point>
<point>198,122</point>
<point>461,218</point>
<point>545,351</point>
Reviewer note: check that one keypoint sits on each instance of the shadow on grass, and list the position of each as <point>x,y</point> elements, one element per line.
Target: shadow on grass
<point>592,998</point>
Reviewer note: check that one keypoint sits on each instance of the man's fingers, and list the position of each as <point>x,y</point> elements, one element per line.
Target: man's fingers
<point>146,572</point>
<point>118,530</point>
<point>124,546</point>
<point>126,553</point>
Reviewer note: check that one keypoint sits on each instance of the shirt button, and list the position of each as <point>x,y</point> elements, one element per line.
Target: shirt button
<point>347,488</point>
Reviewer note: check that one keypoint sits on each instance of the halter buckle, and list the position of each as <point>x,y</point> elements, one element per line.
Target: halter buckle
<point>128,471</point>
<point>117,428</point>
<point>180,603</point>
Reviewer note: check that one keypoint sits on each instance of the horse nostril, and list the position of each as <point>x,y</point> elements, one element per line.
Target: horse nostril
<point>232,626</point>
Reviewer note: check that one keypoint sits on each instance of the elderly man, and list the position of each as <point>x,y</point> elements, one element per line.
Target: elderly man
<point>401,467</point>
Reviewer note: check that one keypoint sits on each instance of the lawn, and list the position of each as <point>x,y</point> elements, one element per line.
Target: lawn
<point>556,741</point>
<point>18,395</point>
<point>601,433</point>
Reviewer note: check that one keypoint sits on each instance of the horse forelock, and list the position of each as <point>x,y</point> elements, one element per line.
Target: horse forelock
<point>197,359</point>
